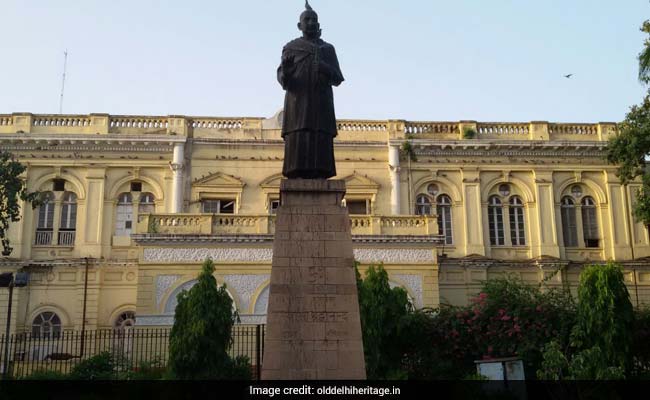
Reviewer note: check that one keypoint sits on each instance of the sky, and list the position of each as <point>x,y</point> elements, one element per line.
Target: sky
<point>419,60</point>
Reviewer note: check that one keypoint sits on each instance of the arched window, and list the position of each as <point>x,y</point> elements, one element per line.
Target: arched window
<point>45,225</point>
<point>422,205</point>
<point>124,320</point>
<point>517,229</point>
<point>495,221</point>
<point>443,209</point>
<point>46,325</point>
<point>569,225</point>
<point>146,205</point>
<point>68,219</point>
<point>124,215</point>
<point>589,222</point>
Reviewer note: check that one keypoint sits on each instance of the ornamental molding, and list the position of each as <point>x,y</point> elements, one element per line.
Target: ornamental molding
<point>366,255</point>
<point>413,283</point>
<point>252,319</point>
<point>172,300</point>
<point>200,254</point>
<point>394,256</point>
<point>262,301</point>
<point>245,286</point>
<point>163,283</point>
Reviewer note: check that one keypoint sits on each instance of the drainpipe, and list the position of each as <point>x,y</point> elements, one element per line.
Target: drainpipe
<point>83,317</point>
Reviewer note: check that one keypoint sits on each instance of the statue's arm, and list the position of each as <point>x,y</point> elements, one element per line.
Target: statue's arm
<point>331,69</point>
<point>286,69</point>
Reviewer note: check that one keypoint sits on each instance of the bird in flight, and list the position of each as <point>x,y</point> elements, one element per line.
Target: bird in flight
<point>568,76</point>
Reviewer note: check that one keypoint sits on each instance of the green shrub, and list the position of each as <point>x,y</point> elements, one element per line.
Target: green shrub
<point>241,369</point>
<point>202,331</point>
<point>145,371</point>
<point>98,367</point>
<point>46,375</point>
<point>641,344</point>
<point>383,312</point>
<point>469,133</point>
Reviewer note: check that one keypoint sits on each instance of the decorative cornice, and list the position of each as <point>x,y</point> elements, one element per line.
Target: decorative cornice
<point>280,142</point>
<point>509,148</point>
<point>55,142</point>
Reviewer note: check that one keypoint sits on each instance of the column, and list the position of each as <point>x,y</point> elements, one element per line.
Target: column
<point>177,185</point>
<point>394,168</point>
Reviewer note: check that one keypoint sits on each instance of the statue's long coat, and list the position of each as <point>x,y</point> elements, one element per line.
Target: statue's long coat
<point>308,72</point>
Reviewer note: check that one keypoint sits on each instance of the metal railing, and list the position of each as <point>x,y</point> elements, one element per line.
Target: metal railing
<point>43,238</point>
<point>130,349</point>
<point>66,238</point>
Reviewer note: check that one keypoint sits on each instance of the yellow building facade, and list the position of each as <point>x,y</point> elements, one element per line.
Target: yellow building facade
<point>139,202</point>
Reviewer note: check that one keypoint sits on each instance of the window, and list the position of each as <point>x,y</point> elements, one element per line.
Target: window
<point>433,189</point>
<point>504,190</point>
<point>569,225</point>
<point>422,205</point>
<point>68,219</point>
<point>443,209</point>
<point>58,185</point>
<point>45,225</point>
<point>125,320</point>
<point>495,221</point>
<point>46,325</point>
<point>516,214</point>
<point>146,205</point>
<point>218,206</point>
<point>124,215</point>
<point>576,191</point>
<point>589,222</point>
<point>274,204</point>
<point>357,207</point>
<point>136,186</point>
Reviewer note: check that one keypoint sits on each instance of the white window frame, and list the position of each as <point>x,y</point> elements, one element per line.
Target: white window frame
<point>496,225</point>
<point>517,221</point>
<point>124,214</point>
<point>445,221</point>
<point>48,320</point>
<point>220,205</point>
<point>422,205</point>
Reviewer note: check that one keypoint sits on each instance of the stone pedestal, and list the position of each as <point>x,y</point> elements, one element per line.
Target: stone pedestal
<point>313,327</point>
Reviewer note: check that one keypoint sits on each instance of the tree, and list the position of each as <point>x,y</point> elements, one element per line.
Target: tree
<point>383,319</point>
<point>602,337</point>
<point>202,331</point>
<point>605,315</point>
<point>630,147</point>
<point>12,191</point>
<point>644,56</point>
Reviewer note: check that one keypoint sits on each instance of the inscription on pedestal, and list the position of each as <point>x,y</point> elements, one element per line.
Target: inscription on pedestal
<point>313,325</point>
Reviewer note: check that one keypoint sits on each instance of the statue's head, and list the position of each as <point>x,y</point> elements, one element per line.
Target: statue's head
<point>309,22</point>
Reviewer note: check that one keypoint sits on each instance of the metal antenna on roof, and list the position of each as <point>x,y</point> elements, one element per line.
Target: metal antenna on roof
<point>65,64</point>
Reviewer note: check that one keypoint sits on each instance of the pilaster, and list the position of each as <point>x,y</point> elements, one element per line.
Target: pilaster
<point>472,227</point>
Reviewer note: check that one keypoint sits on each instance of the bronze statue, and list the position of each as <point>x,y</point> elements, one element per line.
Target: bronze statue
<point>308,71</point>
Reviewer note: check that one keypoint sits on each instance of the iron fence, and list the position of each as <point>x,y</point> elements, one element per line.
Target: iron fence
<point>131,349</point>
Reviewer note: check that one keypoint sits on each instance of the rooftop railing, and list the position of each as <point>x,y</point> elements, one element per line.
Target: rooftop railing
<point>25,123</point>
